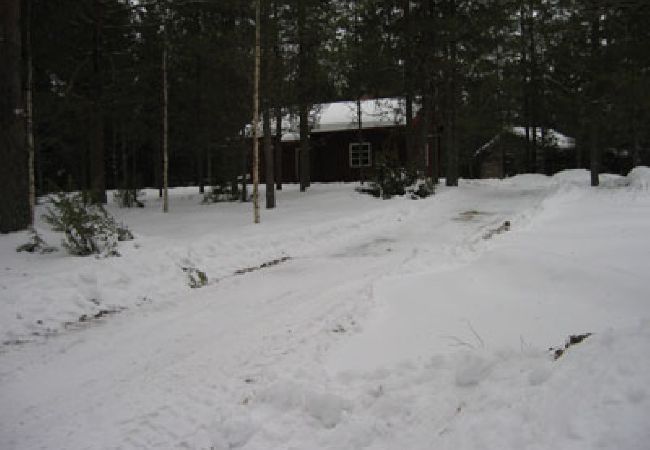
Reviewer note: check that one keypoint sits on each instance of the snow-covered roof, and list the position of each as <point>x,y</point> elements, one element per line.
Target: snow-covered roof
<point>553,137</point>
<point>558,139</point>
<point>341,116</point>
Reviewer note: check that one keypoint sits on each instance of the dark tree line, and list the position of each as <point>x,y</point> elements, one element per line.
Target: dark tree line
<point>106,73</point>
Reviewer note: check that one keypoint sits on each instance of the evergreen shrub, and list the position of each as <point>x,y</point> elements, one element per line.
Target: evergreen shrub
<point>88,228</point>
<point>195,278</point>
<point>223,192</point>
<point>389,179</point>
<point>36,244</point>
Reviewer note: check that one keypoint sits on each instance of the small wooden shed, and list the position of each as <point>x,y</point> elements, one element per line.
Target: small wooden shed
<point>505,154</point>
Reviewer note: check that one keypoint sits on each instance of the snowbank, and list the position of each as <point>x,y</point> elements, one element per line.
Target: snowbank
<point>639,178</point>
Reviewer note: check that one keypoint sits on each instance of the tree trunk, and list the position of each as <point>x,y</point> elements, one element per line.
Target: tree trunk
<point>304,147</point>
<point>256,118</point>
<point>408,83</point>
<point>244,169</point>
<point>359,121</point>
<point>14,207</point>
<point>636,151</point>
<point>359,75</point>
<point>437,150</point>
<point>410,138</point>
<point>594,154</point>
<point>278,148</point>
<point>201,144</point>
<point>267,95</point>
<point>423,146</point>
<point>97,163</point>
<point>29,110</point>
<point>304,107</point>
<point>114,132</point>
<point>362,174</point>
<point>157,163</point>
<point>269,160</point>
<point>452,149</point>
<point>165,130</point>
<point>134,175</point>
<point>208,166</point>
<point>97,173</point>
<point>533,88</point>
<point>428,93</point>
<point>278,77</point>
<point>125,160</point>
<point>525,88</point>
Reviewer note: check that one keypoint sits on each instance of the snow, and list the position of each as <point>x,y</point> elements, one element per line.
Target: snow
<point>395,324</point>
<point>639,178</point>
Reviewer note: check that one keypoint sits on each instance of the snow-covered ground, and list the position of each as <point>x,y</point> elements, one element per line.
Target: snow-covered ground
<point>395,324</point>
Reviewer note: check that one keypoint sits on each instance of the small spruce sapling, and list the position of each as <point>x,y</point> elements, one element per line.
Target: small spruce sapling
<point>195,278</point>
<point>222,192</point>
<point>88,228</point>
<point>36,244</point>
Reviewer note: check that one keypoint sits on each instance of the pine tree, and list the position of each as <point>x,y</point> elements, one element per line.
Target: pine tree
<point>14,209</point>
<point>267,96</point>
<point>305,55</point>
<point>256,104</point>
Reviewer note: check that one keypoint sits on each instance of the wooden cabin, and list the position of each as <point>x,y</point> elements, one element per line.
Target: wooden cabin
<point>342,148</point>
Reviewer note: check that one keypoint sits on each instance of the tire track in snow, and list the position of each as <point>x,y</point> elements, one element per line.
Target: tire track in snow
<point>176,376</point>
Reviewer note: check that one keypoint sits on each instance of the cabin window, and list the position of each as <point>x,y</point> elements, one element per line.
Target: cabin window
<point>360,155</point>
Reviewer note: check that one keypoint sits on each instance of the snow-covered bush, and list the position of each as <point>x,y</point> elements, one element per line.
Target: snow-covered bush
<point>224,192</point>
<point>128,198</point>
<point>88,228</point>
<point>36,244</point>
<point>195,278</point>
<point>390,179</point>
<point>422,188</point>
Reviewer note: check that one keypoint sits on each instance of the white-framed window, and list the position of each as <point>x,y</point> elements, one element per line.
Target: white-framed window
<point>360,154</point>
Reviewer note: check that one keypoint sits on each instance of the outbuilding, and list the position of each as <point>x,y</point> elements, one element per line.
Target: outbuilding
<point>506,153</point>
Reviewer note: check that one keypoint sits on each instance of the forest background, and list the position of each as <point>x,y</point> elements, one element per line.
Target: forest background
<point>100,94</point>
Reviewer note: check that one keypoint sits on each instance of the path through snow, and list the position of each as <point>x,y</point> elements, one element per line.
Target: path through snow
<point>395,327</point>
